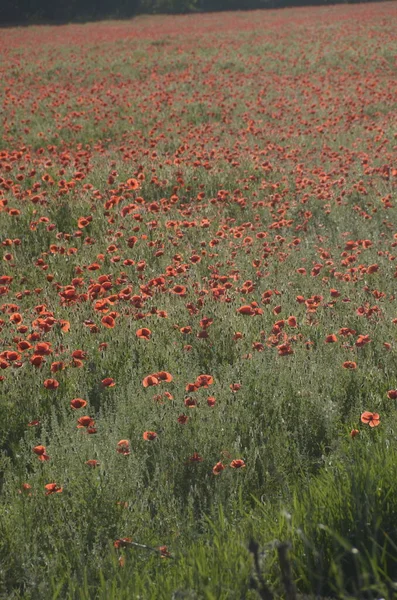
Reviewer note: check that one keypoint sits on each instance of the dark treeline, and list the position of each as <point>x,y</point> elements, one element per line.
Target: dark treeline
<point>47,11</point>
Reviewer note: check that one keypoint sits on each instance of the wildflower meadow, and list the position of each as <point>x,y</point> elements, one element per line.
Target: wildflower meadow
<point>198,307</point>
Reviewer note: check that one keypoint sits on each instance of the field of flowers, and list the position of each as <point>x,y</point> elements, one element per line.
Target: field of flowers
<point>198,317</point>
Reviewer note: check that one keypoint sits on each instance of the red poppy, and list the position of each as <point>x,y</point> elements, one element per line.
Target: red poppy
<point>362,340</point>
<point>218,468</point>
<point>65,325</point>
<point>204,381</point>
<point>25,489</point>
<point>51,384</point>
<point>186,330</point>
<point>133,183</point>
<point>211,400</point>
<point>191,387</point>
<point>195,457</point>
<point>149,381</point>
<point>284,350</point>
<point>190,402</point>
<point>41,453</point>
<point>392,394</point>
<point>123,447</point>
<point>149,435</point>
<point>235,387</point>
<point>349,364</point>
<point>108,321</point>
<point>36,360</point>
<point>164,376</point>
<point>354,433</point>
<point>85,421</point>
<point>57,366</point>
<point>246,310</point>
<point>164,552</point>
<point>372,419</point>
<point>238,463</point>
<point>53,488</point>
<point>331,339</point>
<point>144,333</point>
<point>122,542</point>
<point>92,463</point>
<point>179,290</point>
<point>372,269</point>
<point>182,419</point>
<point>78,403</point>
<point>43,349</point>
<point>108,382</point>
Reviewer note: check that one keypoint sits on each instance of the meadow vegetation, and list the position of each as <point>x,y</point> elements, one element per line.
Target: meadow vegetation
<point>198,317</point>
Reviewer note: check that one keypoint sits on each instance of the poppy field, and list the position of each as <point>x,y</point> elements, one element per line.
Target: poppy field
<point>198,306</point>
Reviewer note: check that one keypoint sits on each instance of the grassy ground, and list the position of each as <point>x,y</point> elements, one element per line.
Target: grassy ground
<point>198,306</point>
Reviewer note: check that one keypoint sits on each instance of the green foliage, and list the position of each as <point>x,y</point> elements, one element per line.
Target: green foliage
<point>219,127</point>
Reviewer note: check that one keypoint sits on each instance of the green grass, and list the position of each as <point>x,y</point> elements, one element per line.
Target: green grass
<point>261,145</point>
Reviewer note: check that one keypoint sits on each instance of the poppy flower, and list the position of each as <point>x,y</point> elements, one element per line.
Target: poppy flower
<point>43,349</point>
<point>144,333</point>
<point>362,340</point>
<point>123,447</point>
<point>235,387</point>
<point>190,402</point>
<point>65,325</point>
<point>182,419</point>
<point>372,269</point>
<point>179,290</point>
<point>186,330</point>
<point>108,321</point>
<point>284,350</point>
<point>164,552</point>
<point>25,489</point>
<point>51,384</point>
<point>36,360</point>
<point>238,463</point>
<point>53,488</point>
<point>204,381</point>
<point>354,433</point>
<point>218,468</point>
<point>85,421</point>
<point>191,387</point>
<point>392,394</point>
<point>76,363</point>
<point>195,457</point>
<point>372,419</point>
<point>34,423</point>
<point>57,366</point>
<point>211,400</point>
<point>238,336</point>
<point>331,339</point>
<point>149,435</point>
<point>41,453</point>
<point>108,382</point>
<point>164,376</point>
<point>349,364</point>
<point>122,542</point>
<point>334,293</point>
<point>133,183</point>
<point>149,381</point>
<point>78,403</point>
<point>92,463</point>
<point>246,310</point>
